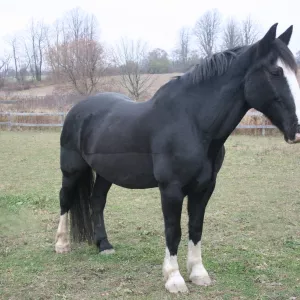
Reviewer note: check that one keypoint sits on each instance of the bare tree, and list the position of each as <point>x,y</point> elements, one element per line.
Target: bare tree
<point>57,37</point>
<point>207,31</point>
<point>131,59</point>
<point>81,62</point>
<point>250,31</point>
<point>231,34</point>
<point>54,42</point>
<point>14,44</point>
<point>183,56</point>
<point>35,44</point>
<point>74,51</point>
<point>29,60</point>
<point>184,45</point>
<point>4,64</point>
<point>20,58</point>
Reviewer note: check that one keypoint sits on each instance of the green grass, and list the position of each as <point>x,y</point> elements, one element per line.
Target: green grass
<point>251,240</point>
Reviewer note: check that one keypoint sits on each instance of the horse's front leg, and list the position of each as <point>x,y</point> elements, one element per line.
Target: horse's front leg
<point>196,208</point>
<point>172,199</point>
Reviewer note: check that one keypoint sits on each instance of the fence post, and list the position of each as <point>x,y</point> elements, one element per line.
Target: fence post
<point>10,121</point>
<point>264,124</point>
<point>63,119</point>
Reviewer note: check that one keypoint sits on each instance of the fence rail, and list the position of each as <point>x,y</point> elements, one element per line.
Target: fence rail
<point>31,114</point>
<point>10,122</point>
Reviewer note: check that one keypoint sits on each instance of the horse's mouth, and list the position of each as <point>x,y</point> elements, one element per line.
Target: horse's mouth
<point>295,140</point>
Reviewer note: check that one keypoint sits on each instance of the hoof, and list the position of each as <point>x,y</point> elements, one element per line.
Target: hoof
<point>199,276</point>
<point>107,251</point>
<point>201,280</point>
<point>59,248</point>
<point>105,246</point>
<point>176,284</point>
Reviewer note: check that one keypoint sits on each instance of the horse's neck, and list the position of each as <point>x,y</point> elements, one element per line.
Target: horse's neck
<point>220,114</point>
<point>230,118</point>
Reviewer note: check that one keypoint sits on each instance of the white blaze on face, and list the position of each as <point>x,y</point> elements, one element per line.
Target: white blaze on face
<point>292,81</point>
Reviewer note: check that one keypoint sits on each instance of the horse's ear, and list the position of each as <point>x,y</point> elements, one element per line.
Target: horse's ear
<point>286,36</point>
<point>265,44</point>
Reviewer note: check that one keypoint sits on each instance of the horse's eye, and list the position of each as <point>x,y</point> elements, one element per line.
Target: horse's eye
<point>277,71</point>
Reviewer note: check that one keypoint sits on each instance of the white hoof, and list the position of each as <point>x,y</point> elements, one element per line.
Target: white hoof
<point>176,284</point>
<point>201,280</point>
<point>108,252</point>
<point>62,248</point>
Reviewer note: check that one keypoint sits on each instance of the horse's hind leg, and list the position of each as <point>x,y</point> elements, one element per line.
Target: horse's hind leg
<point>66,195</point>
<point>98,201</point>
<point>72,166</point>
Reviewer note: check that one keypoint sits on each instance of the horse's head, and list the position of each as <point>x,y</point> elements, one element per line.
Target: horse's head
<point>271,85</point>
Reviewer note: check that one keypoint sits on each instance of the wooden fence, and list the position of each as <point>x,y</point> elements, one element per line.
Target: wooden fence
<point>10,123</point>
<point>11,115</point>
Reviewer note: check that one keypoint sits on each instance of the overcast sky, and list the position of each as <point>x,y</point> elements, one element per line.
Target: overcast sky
<point>156,21</point>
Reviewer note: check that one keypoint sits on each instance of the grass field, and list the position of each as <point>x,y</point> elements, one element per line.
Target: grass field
<point>251,241</point>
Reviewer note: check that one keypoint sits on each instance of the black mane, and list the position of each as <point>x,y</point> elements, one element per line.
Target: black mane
<point>218,63</point>
<point>211,66</point>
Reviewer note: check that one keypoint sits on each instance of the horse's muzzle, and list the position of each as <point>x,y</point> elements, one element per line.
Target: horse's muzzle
<point>295,140</point>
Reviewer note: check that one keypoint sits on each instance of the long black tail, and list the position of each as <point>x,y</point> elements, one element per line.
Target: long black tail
<point>81,225</point>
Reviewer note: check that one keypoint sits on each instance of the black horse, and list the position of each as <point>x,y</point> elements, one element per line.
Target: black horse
<point>174,141</point>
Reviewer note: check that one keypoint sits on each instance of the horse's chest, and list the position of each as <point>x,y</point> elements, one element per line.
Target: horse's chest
<point>203,178</point>
<point>178,167</point>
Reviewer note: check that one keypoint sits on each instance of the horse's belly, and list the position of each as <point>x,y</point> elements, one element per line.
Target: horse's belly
<point>129,170</point>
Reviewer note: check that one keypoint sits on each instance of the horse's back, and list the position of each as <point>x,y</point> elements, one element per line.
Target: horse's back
<point>79,115</point>
<point>98,103</point>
